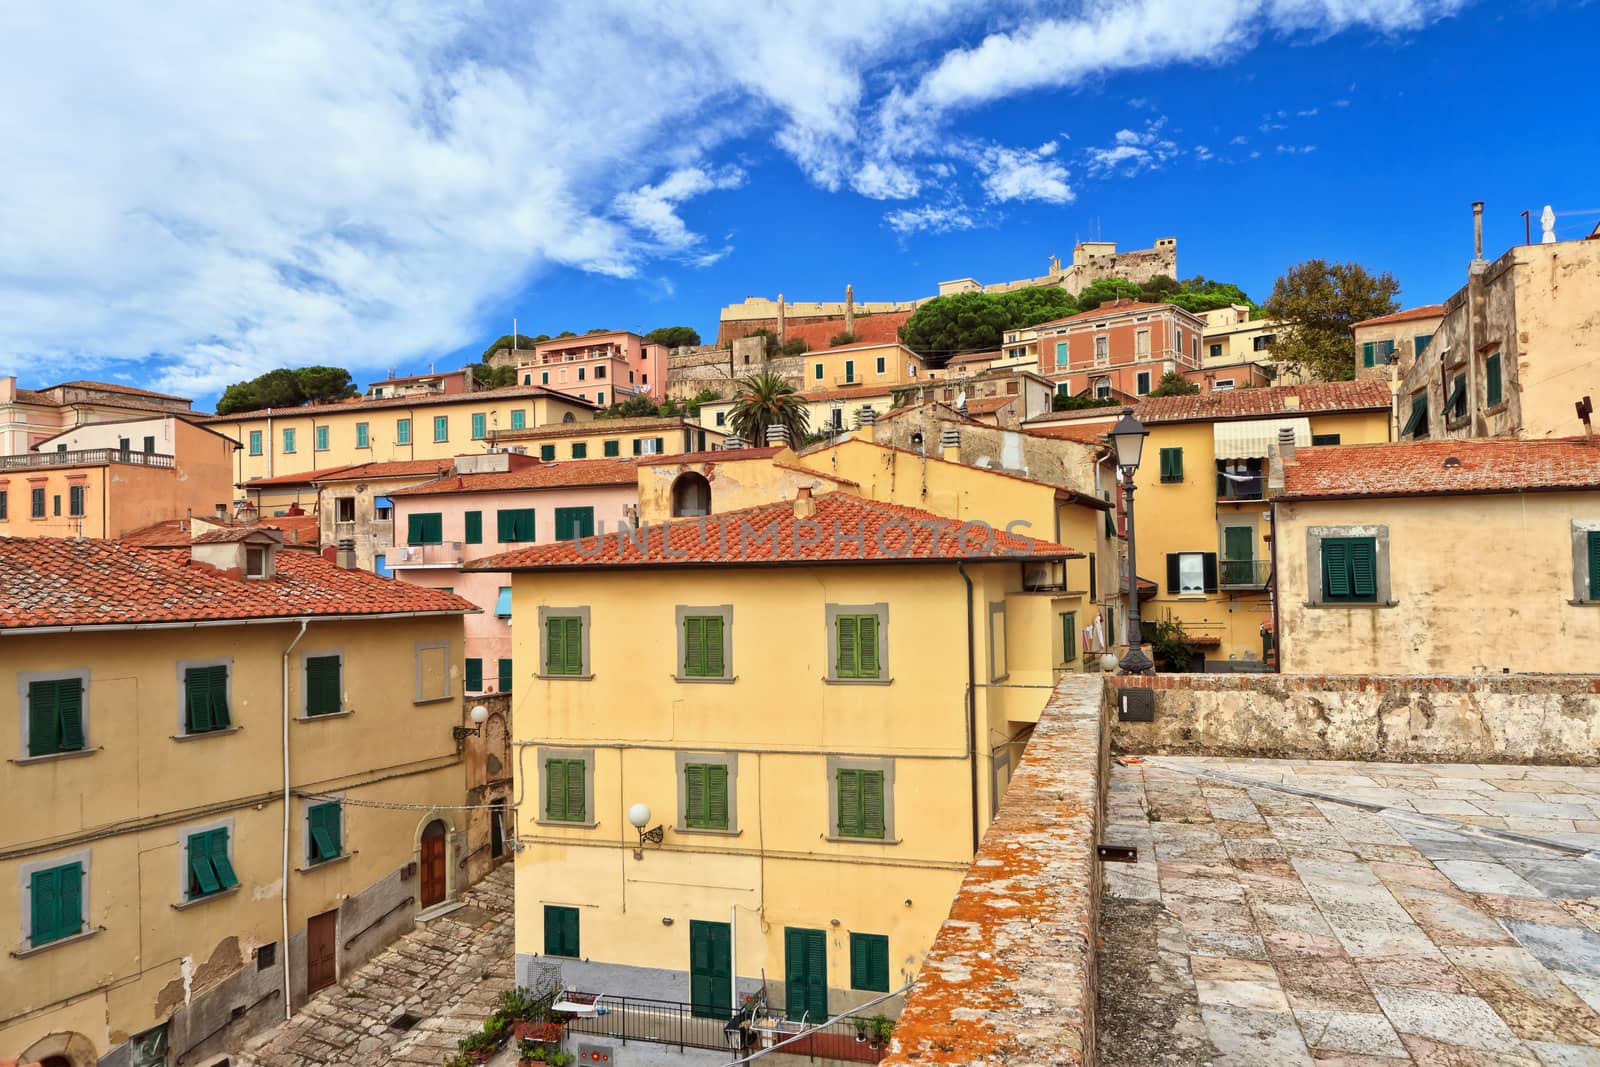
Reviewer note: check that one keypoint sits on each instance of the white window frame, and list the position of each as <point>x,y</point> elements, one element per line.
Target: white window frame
<point>1198,559</point>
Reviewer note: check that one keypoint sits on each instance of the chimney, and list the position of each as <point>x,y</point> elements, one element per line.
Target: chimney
<point>732,443</point>
<point>869,425</point>
<point>950,444</point>
<point>1291,402</point>
<point>777,435</point>
<point>804,506</point>
<point>222,513</point>
<point>1479,264</point>
<point>1286,443</point>
<point>346,558</point>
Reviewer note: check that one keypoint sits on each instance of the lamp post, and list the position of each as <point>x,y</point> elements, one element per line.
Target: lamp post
<point>1128,438</point>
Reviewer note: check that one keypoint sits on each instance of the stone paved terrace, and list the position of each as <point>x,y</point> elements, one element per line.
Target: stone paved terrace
<point>448,973</point>
<point>1286,912</point>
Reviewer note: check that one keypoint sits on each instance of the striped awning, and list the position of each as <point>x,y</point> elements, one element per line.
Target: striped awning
<point>1249,439</point>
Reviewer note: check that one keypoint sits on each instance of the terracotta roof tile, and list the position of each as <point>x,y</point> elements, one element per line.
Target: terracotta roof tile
<point>510,392</point>
<point>988,405</point>
<point>844,529</point>
<point>567,474</point>
<point>113,387</point>
<point>403,468</point>
<point>1088,434</point>
<point>1442,468</point>
<point>1111,307</point>
<point>824,475</point>
<point>47,582</point>
<point>725,455</point>
<point>849,392</point>
<point>1426,311</point>
<point>599,426</point>
<point>170,533</point>
<point>973,357</point>
<point>1369,394</point>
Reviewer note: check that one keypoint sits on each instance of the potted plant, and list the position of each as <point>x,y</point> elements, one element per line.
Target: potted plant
<point>882,1027</point>
<point>862,1026</point>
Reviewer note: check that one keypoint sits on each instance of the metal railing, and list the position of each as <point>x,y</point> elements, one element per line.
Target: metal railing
<point>445,554</point>
<point>85,457</point>
<point>1243,573</point>
<point>675,1025</point>
<point>1237,488</point>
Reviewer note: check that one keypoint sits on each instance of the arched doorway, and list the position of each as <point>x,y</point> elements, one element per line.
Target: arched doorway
<point>497,832</point>
<point>55,1061</point>
<point>433,865</point>
<point>69,1049</point>
<point>569,417</point>
<point>691,496</point>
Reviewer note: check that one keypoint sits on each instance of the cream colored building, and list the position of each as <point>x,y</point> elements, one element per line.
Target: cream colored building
<point>29,416</point>
<point>165,704</point>
<point>1388,341</point>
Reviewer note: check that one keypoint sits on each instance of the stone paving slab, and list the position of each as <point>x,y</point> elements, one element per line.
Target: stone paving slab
<point>1360,913</point>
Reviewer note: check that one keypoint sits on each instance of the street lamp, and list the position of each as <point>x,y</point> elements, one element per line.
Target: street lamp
<point>1128,437</point>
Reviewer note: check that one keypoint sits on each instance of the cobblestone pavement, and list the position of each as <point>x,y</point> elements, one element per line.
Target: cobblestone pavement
<point>1359,914</point>
<point>447,973</point>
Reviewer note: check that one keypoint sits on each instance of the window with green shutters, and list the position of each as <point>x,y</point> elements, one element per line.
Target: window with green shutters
<point>441,428</point>
<point>474,527</point>
<point>324,832</point>
<point>1455,405</point>
<point>255,442</point>
<point>480,426</point>
<point>1349,569</point>
<point>705,796</point>
<point>547,453</point>
<point>1417,424</point>
<point>57,904</point>
<point>514,524</point>
<point>210,869</point>
<point>1366,354</point>
<point>1069,636</point>
<point>574,522</point>
<point>703,647</point>
<point>363,435</point>
<point>564,790</point>
<point>425,528</point>
<point>288,440</point>
<point>1593,537</point>
<point>856,646</point>
<point>1493,388</point>
<point>205,699</point>
<point>869,962</point>
<point>55,716</point>
<point>613,449</point>
<point>321,439</point>
<point>563,644</point>
<point>817,372</point>
<point>402,431</point>
<point>805,973</point>
<point>505,676</point>
<point>580,450</point>
<point>860,803</point>
<point>1420,342</point>
<point>1172,464</point>
<point>324,687</point>
<point>560,931</point>
<point>881,364</point>
<point>519,419</point>
<point>474,675</point>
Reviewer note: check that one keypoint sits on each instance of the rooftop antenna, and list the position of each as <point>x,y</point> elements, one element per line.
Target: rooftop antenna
<point>1585,409</point>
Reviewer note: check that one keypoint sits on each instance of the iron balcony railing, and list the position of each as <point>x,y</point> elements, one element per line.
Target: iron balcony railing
<point>446,554</point>
<point>1240,487</point>
<point>86,457</point>
<point>675,1025</point>
<point>1243,573</point>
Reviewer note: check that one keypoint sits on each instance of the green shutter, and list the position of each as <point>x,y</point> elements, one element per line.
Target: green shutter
<point>560,931</point>
<point>362,437</point>
<point>1493,389</point>
<point>574,522</point>
<point>1366,354</point>
<point>44,731</point>
<point>474,675</point>
<point>203,877</point>
<point>845,645</point>
<point>554,655</point>
<point>1594,564</point>
<point>613,448</point>
<point>805,958</point>
<point>717,796</point>
<point>425,529</point>
<point>849,783</point>
<point>1363,569</point>
<point>505,676</point>
<point>867,646</point>
<point>869,962</point>
<point>205,699</point>
<point>1069,636</point>
<point>479,427</point>
<point>474,527</point>
<point>402,431</point>
<point>572,639</point>
<point>547,453</point>
<point>871,803</point>
<point>1335,569</point>
<point>514,524</point>
<point>46,911</point>
<point>1172,464</point>
<point>1420,342</point>
<point>324,691</point>
<point>219,859</point>
<point>694,659</point>
<point>580,450</point>
<point>323,821</point>
<point>661,446</point>
<point>575,797</point>
<point>69,709</point>
<point>715,667</point>
<point>555,789</point>
<point>694,795</point>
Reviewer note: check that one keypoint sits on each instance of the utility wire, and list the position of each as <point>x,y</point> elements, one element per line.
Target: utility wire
<point>826,1022</point>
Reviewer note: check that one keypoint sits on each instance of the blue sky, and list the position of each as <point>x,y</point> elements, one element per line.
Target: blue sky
<point>386,186</point>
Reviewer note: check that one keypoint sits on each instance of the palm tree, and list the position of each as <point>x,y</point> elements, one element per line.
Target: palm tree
<point>766,400</point>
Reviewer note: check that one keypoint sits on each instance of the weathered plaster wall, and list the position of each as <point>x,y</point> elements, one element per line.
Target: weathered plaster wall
<point>1443,719</point>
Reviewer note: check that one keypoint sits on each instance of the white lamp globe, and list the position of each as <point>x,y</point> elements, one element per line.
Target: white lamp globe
<point>639,816</point>
<point>1108,662</point>
<point>480,715</point>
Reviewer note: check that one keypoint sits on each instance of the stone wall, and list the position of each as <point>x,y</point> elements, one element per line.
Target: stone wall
<point>489,776</point>
<point>692,369</point>
<point>1513,718</point>
<point>1069,464</point>
<point>1011,977</point>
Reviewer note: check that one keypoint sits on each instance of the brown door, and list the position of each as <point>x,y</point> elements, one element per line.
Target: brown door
<point>433,881</point>
<point>321,938</point>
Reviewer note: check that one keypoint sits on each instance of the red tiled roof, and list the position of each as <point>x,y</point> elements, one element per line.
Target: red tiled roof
<point>849,392</point>
<point>726,455</point>
<point>1084,433</point>
<point>298,478</point>
<point>510,392</point>
<point>1369,394</point>
<point>1110,307</point>
<point>49,582</point>
<point>113,387</point>
<point>1425,468</point>
<point>846,529</point>
<point>300,531</point>
<point>974,357</point>
<point>600,426</point>
<point>1426,311</point>
<point>229,535</point>
<point>818,474</point>
<point>396,468</point>
<point>568,474</point>
<point>169,533</point>
<point>988,405</point>
<point>895,413</point>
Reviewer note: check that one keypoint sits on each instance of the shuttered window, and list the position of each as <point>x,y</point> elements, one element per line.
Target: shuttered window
<point>547,453</point>
<point>324,686</point>
<point>1594,564</point>
<point>869,962</point>
<point>474,675</point>
<point>480,428</point>
<point>1349,569</point>
<point>574,522</point>
<point>322,439</point>
<point>514,524</point>
<point>57,904</point>
<point>580,450</point>
<point>474,531</point>
<point>805,973</point>
<point>519,418</point>
<point>1455,406</point>
<point>441,428</point>
<point>705,793</point>
<point>563,653</point>
<point>1366,354</point>
<point>505,676</point>
<point>1172,464</point>
<point>560,931</point>
<point>702,646</point>
<point>1493,388</point>
<point>425,529</point>
<point>325,832</point>
<point>1417,424</point>
<point>613,448</point>
<point>856,646</point>
<point>205,699</point>
<point>1069,636</point>
<point>860,803</point>
<point>1420,342</point>
<point>363,435</point>
<point>210,869</point>
<point>563,790</point>
<point>402,431</point>
<point>288,440</point>
<point>502,603</point>
<point>255,442</point>
<point>55,716</point>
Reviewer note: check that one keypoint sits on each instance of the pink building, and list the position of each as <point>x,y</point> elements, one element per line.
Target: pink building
<point>494,503</point>
<point>604,368</point>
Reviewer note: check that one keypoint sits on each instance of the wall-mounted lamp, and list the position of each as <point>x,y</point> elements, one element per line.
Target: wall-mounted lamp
<point>459,734</point>
<point>639,816</point>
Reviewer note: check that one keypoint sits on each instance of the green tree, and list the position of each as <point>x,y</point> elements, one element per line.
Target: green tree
<point>524,342</point>
<point>597,329</point>
<point>285,388</point>
<point>1106,290</point>
<point>322,385</point>
<point>635,407</point>
<point>1318,302</point>
<point>843,337</point>
<point>487,377</point>
<point>1029,307</point>
<point>963,322</point>
<point>766,400</point>
<point>1174,384</point>
<point>674,336</point>
<point>565,333</point>
<point>704,396</point>
<point>1063,402</point>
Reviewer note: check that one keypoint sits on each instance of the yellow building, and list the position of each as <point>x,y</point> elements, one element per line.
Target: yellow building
<point>811,698</point>
<point>864,365</point>
<point>610,438</point>
<point>826,409</point>
<point>1231,336</point>
<point>1374,578</point>
<point>154,889</point>
<point>437,426</point>
<point>1394,339</point>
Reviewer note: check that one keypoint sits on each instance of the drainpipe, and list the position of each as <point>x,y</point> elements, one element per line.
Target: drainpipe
<point>1277,591</point>
<point>288,1005</point>
<point>733,955</point>
<point>972,708</point>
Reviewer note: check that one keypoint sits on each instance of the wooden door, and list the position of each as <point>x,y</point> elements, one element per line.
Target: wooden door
<point>806,974</point>
<point>433,870</point>
<point>322,934</point>
<point>710,969</point>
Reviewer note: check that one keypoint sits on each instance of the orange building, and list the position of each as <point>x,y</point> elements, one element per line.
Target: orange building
<point>605,368</point>
<point>1120,347</point>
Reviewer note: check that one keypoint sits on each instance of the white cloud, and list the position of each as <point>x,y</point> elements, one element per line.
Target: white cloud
<point>653,209</point>
<point>1341,103</point>
<point>1133,152</point>
<point>885,180</point>
<point>1239,140</point>
<point>1307,113</point>
<point>1020,174</point>
<point>929,218</point>
<point>1296,150</point>
<point>1202,153</point>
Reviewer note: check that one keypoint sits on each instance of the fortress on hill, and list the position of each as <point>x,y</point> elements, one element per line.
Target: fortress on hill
<point>1091,261</point>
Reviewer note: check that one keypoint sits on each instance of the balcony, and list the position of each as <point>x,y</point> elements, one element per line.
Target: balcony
<point>445,554</point>
<point>1243,573</point>
<point>1241,485</point>
<point>88,457</point>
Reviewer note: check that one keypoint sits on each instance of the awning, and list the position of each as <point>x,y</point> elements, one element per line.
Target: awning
<point>1250,439</point>
<point>502,605</point>
<point>382,502</point>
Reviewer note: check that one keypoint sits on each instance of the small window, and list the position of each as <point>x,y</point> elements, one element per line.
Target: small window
<point>722,418</point>
<point>817,372</point>
<point>849,370</point>
<point>860,803</point>
<point>1102,347</point>
<point>1385,352</point>
<point>1191,573</point>
<point>210,867</point>
<point>441,428</point>
<point>505,673</point>
<point>514,525</point>
<point>5,506</point>
<point>564,645</point>
<point>1455,405</point>
<point>519,418</point>
<point>1263,342</point>
<point>402,431</point>
<point>56,909</point>
<point>705,793</point>
<point>205,699</point>
<point>324,832</point>
<point>1069,634</point>
<point>480,426</point>
<point>564,792</point>
<point>881,364</point>
<point>599,370</point>
<point>574,522</point>
<point>1061,353</point>
<point>345,509</point>
<point>474,675</point>
<point>614,448</point>
<point>473,531</point>
<point>425,528</point>
<point>703,646</point>
<point>1171,465</point>
<point>1493,387</point>
<point>324,694</point>
<point>560,931</point>
<point>55,716</point>
<point>1349,570</point>
<point>255,442</point>
<point>1222,385</point>
<point>869,962</point>
<point>544,378</point>
<point>580,374</point>
<point>580,450</point>
<point>75,501</point>
<point>36,503</point>
<point>1417,424</point>
<point>363,435</point>
<point>1216,351</point>
<point>547,453</point>
<point>856,646</point>
<point>321,438</point>
<point>1142,383</point>
<point>1318,440</point>
<point>288,440</point>
<point>149,446</point>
